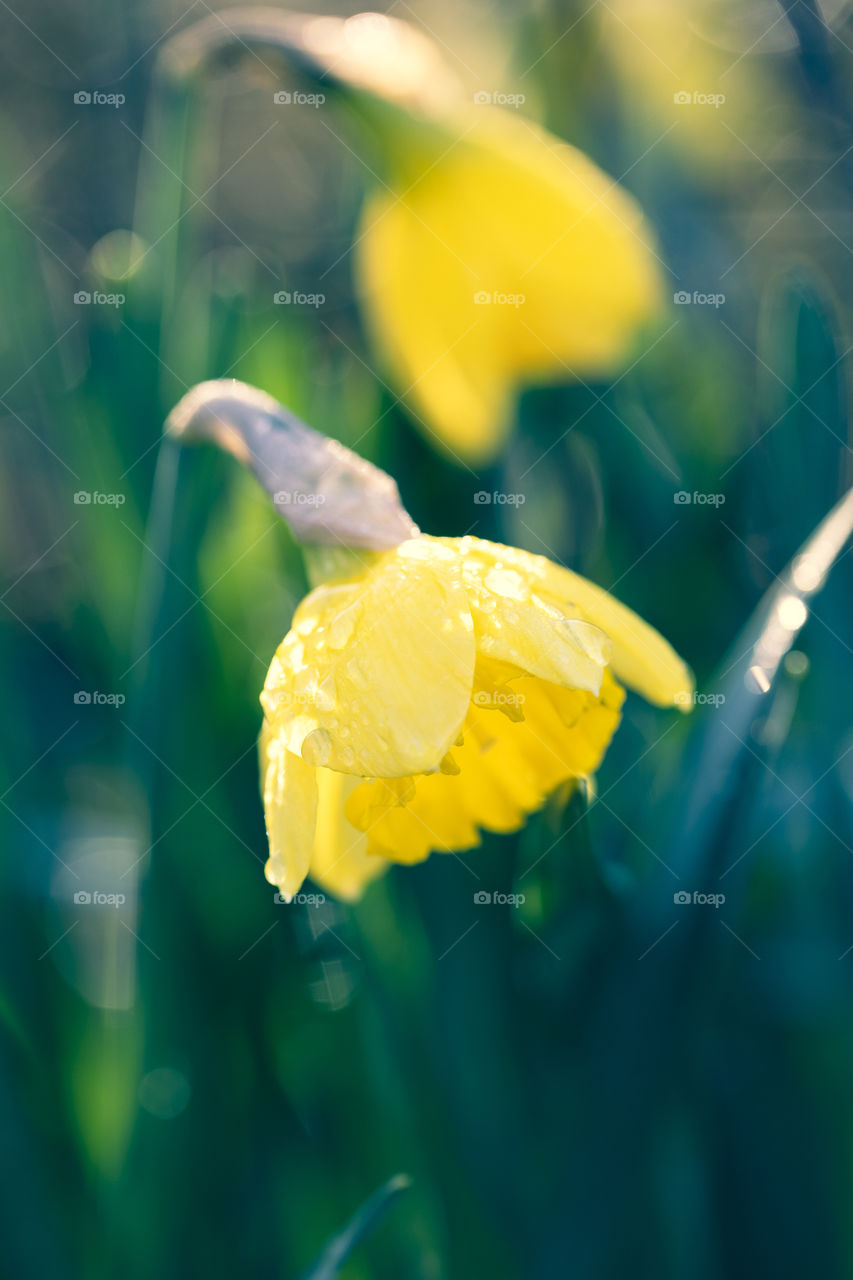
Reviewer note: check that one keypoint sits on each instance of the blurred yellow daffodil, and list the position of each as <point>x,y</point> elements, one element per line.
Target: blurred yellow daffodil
<point>501,257</point>
<point>444,687</point>
<point>491,254</point>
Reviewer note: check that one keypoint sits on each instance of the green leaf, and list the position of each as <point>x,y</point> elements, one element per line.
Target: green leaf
<point>802,410</point>
<point>722,746</point>
<point>359,1226</point>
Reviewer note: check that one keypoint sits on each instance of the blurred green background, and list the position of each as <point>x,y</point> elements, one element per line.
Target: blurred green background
<point>600,1082</point>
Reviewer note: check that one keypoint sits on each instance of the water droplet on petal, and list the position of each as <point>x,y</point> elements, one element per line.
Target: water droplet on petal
<point>357,675</point>
<point>340,632</point>
<point>317,747</point>
<point>507,583</point>
<point>324,695</point>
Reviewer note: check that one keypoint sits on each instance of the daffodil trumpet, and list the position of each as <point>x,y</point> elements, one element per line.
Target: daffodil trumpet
<point>430,688</point>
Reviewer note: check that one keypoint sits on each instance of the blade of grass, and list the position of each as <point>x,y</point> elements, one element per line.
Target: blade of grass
<point>363,1221</point>
<point>750,678</point>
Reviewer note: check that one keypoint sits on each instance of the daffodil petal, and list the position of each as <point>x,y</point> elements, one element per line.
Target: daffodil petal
<point>459,393</point>
<point>584,263</point>
<point>340,862</point>
<point>526,262</point>
<point>640,655</point>
<point>514,624</point>
<point>375,676</point>
<point>290,809</point>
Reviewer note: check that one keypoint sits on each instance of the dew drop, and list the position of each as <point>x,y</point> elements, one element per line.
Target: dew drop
<point>507,583</point>
<point>357,675</point>
<point>325,695</point>
<point>342,628</point>
<point>317,747</point>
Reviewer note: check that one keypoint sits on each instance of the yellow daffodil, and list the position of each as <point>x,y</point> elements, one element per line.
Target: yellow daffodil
<point>429,688</point>
<point>491,254</point>
<point>505,258</point>
<point>443,688</point>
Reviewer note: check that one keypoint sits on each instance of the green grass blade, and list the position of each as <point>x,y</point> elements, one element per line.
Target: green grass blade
<point>750,680</point>
<point>360,1225</point>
